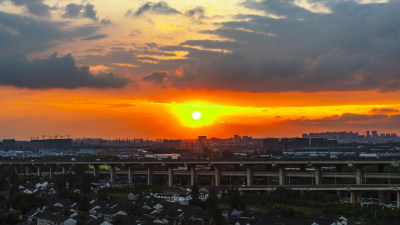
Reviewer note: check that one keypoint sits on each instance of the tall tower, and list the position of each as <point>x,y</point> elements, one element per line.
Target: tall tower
<point>202,143</point>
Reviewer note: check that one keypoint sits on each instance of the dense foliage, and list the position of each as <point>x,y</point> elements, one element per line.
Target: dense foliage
<point>24,202</point>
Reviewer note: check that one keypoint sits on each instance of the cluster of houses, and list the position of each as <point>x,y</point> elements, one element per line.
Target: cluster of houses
<point>170,207</point>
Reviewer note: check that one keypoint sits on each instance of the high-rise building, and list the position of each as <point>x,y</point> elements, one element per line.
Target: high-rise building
<point>368,134</point>
<point>374,134</point>
<point>271,144</point>
<point>202,143</point>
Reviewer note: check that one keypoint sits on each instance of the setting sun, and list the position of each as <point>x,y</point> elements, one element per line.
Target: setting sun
<point>196,115</point>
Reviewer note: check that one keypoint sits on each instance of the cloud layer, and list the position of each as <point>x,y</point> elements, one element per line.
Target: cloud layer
<point>53,72</point>
<point>355,47</point>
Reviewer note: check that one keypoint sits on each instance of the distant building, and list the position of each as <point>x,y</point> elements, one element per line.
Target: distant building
<point>54,143</point>
<point>374,134</point>
<point>202,143</point>
<point>9,144</point>
<point>271,144</point>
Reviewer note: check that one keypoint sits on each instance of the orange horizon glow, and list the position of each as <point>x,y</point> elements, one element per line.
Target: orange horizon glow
<point>107,115</point>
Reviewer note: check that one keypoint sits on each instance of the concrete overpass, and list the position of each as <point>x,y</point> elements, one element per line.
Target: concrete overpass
<point>282,170</point>
<point>274,168</point>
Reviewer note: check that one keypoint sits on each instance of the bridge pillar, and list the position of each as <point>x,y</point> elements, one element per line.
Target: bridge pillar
<point>358,197</point>
<point>217,176</point>
<point>63,169</point>
<point>39,171</point>
<point>398,199</point>
<point>27,170</point>
<point>317,175</point>
<point>112,174</point>
<point>281,175</point>
<point>352,197</point>
<point>149,175</point>
<point>95,170</point>
<point>381,195</point>
<point>359,175</point>
<point>170,177</point>
<point>16,170</point>
<point>249,176</point>
<point>192,176</point>
<point>51,172</point>
<point>130,174</point>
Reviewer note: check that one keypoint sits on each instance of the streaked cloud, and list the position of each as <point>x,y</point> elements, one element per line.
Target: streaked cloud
<point>53,72</point>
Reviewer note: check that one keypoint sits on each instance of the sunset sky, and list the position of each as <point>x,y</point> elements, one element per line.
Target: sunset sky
<point>139,69</point>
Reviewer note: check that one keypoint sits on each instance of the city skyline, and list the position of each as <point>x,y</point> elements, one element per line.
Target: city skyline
<point>142,68</point>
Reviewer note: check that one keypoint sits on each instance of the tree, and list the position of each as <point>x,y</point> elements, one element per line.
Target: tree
<point>116,220</point>
<point>212,198</point>
<point>217,215</point>
<point>24,202</point>
<point>195,196</point>
<point>59,183</point>
<point>235,200</point>
<point>13,218</point>
<point>84,204</point>
<point>85,183</point>
<point>135,209</point>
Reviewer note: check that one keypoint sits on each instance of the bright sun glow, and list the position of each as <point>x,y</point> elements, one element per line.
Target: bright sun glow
<point>196,115</point>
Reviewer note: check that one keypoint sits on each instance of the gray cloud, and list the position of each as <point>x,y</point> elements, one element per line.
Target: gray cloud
<point>384,110</point>
<point>89,12</point>
<point>157,77</point>
<point>105,21</point>
<point>357,121</point>
<point>159,8</point>
<point>24,35</point>
<point>196,13</point>
<point>20,35</point>
<point>73,10</point>
<point>53,72</point>
<point>34,7</point>
<point>356,47</point>
<point>95,37</point>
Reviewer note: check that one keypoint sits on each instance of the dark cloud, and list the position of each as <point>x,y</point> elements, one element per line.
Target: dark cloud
<point>53,72</point>
<point>356,121</point>
<point>89,12</point>
<point>158,78</point>
<point>34,7</point>
<point>384,110</point>
<point>159,8</point>
<point>105,21</point>
<point>20,35</point>
<point>73,10</point>
<point>24,35</point>
<point>95,37</point>
<point>356,47</point>
<point>197,13</point>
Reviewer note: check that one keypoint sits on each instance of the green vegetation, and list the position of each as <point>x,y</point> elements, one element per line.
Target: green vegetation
<point>84,204</point>
<point>10,218</point>
<point>24,202</point>
<point>135,209</point>
<point>289,203</point>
